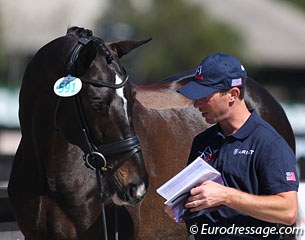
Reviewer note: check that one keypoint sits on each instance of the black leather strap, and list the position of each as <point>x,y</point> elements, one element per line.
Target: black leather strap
<point>119,147</point>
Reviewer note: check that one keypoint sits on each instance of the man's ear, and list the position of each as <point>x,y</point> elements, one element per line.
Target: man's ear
<point>234,94</point>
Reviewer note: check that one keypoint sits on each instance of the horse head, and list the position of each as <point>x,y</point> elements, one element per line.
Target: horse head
<point>104,109</point>
<point>91,108</point>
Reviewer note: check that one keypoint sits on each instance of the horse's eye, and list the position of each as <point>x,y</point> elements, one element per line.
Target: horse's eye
<point>100,107</point>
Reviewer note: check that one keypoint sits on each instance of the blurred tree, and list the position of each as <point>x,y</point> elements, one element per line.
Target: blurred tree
<point>182,35</point>
<point>298,3</point>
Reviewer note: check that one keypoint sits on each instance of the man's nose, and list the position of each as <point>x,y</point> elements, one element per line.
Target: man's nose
<point>199,102</point>
<point>196,103</point>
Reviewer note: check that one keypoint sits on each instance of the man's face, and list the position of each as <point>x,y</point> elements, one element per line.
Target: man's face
<point>214,108</point>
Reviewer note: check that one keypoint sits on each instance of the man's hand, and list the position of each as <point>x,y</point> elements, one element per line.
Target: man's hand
<point>208,194</point>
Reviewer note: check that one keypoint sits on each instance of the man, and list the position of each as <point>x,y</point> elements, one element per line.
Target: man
<point>257,165</point>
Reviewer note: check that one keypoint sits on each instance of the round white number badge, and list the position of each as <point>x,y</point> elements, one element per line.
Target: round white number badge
<point>67,86</point>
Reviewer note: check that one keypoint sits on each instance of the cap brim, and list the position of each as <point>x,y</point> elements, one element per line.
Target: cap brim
<point>193,90</point>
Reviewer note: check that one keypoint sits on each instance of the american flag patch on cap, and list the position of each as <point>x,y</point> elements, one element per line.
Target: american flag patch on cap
<point>236,82</point>
<point>290,177</point>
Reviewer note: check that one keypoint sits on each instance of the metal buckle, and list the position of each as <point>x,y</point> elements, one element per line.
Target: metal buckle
<point>100,161</point>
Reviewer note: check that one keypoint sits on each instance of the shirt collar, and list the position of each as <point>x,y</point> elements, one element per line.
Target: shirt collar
<point>246,129</point>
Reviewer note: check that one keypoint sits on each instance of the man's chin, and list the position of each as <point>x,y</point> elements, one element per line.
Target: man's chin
<point>210,121</point>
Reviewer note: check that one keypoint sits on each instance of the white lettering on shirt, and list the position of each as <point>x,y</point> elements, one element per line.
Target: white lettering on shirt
<point>243,151</point>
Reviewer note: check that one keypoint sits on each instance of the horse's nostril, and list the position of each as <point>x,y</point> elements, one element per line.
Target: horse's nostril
<point>136,192</point>
<point>132,190</point>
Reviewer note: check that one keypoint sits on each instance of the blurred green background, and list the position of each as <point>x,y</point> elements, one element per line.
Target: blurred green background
<point>181,34</point>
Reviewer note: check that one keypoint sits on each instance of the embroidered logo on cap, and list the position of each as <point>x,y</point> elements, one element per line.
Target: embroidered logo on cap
<point>198,74</point>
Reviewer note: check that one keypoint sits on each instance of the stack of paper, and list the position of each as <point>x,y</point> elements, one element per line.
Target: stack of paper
<point>176,190</point>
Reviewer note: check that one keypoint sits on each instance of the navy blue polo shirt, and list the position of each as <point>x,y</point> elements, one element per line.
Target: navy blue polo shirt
<point>255,159</point>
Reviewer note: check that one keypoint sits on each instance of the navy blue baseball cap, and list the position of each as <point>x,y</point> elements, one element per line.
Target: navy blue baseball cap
<point>216,72</point>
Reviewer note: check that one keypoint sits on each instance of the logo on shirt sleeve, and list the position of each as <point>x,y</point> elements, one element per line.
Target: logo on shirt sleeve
<point>290,177</point>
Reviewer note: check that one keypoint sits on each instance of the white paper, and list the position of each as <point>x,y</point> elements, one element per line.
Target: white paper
<point>177,188</point>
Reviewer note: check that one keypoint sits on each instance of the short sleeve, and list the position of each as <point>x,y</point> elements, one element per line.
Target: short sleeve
<point>277,168</point>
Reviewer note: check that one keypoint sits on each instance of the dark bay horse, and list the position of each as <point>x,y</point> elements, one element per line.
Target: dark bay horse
<point>53,194</point>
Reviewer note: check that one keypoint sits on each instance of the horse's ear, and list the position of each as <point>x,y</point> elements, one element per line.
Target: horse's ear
<point>124,47</point>
<point>85,58</point>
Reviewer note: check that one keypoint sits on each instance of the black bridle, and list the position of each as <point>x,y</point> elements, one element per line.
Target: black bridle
<point>96,157</point>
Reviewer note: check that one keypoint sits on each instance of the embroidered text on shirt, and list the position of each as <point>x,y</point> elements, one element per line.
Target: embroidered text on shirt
<point>243,151</point>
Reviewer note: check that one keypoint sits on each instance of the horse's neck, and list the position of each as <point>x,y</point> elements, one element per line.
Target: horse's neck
<point>161,96</point>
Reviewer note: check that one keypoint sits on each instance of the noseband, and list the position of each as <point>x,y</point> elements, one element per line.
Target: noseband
<point>128,146</point>
<point>95,157</point>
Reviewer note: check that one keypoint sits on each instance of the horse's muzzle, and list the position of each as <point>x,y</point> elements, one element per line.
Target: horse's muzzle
<point>131,195</point>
